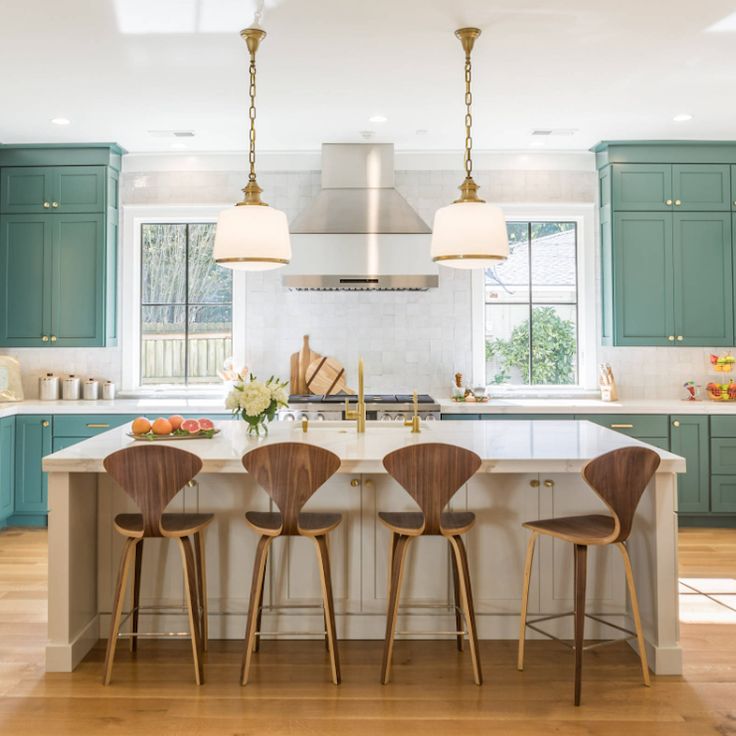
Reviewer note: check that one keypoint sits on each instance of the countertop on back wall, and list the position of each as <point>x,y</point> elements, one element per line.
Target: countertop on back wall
<point>207,406</point>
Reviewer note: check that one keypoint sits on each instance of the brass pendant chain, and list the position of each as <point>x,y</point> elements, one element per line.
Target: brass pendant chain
<point>252,117</point>
<point>468,119</point>
<point>252,192</point>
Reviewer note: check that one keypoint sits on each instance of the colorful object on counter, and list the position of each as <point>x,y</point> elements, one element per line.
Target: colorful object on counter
<point>722,363</point>
<point>692,391</point>
<point>173,428</point>
<point>722,391</point>
<point>458,390</point>
<point>256,402</point>
<point>607,383</point>
<point>11,388</point>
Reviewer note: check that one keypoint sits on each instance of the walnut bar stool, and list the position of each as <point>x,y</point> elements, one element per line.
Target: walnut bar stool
<point>152,475</point>
<point>619,478</point>
<point>290,472</point>
<point>431,473</point>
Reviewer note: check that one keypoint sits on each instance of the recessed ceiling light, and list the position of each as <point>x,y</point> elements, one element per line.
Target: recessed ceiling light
<point>378,119</point>
<point>682,117</point>
<point>60,121</point>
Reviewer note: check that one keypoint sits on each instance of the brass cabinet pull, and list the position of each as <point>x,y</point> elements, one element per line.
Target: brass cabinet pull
<point>98,426</point>
<point>54,204</point>
<point>534,483</point>
<point>680,338</point>
<point>549,484</point>
<point>671,338</point>
<point>45,423</point>
<point>677,203</point>
<point>53,338</point>
<point>621,426</point>
<point>676,423</point>
<point>668,202</point>
<point>46,205</point>
<point>44,338</point>
<point>355,482</point>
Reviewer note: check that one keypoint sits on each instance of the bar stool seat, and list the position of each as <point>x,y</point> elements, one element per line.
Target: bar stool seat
<point>172,525</point>
<point>588,529</point>
<point>309,524</point>
<point>412,523</point>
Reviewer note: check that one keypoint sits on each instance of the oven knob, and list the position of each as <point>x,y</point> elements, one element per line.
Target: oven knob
<point>288,417</point>
<point>399,418</point>
<point>430,418</point>
<point>320,417</point>
<point>385,417</point>
<point>303,416</point>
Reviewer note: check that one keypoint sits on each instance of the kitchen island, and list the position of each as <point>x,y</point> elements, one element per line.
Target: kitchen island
<point>530,470</point>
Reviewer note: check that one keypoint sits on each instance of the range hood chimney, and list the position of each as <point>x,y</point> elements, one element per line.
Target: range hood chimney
<point>359,232</point>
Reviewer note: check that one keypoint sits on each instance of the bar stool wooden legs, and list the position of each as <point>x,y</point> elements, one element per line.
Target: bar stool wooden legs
<point>152,475</point>
<point>431,473</point>
<point>290,472</point>
<point>619,478</point>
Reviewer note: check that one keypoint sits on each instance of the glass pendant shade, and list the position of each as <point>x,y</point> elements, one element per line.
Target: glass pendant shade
<point>469,235</point>
<point>252,238</point>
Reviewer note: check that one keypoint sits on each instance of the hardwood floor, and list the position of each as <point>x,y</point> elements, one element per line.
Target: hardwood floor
<point>290,693</point>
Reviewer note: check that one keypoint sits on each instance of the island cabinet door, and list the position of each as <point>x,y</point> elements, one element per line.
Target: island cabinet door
<point>497,543</point>
<point>427,572</point>
<point>294,573</point>
<point>568,495</point>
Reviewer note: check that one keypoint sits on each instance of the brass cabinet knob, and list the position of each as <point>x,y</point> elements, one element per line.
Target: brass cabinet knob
<point>44,338</point>
<point>534,483</point>
<point>54,204</point>
<point>680,338</point>
<point>668,202</point>
<point>549,484</point>
<point>677,203</point>
<point>676,423</point>
<point>355,482</point>
<point>46,205</point>
<point>53,338</point>
<point>45,423</point>
<point>671,338</point>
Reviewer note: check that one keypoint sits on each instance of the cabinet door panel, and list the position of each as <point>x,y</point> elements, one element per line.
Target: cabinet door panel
<point>78,280</point>
<point>723,493</point>
<point>702,187</point>
<point>32,443</point>
<point>723,456</point>
<point>7,464</point>
<point>689,438</point>
<point>25,309</point>
<point>24,190</point>
<point>79,189</point>
<point>643,279</point>
<point>642,187</point>
<point>703,271</point>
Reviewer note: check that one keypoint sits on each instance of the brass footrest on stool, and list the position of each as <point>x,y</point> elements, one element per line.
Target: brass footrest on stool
<point>593,617</point>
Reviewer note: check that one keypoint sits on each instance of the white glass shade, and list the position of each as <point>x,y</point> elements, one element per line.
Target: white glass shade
<point>469,235</point>
<point>252,238</point>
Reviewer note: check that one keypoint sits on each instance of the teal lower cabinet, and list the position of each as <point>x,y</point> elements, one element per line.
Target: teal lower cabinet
<point>529,417</point>
<point>32,443</point>
<point>7,469</point>
<point>460,417</point>
<point>723,468</point>
<point>690,438</point>
<point>723,494</point>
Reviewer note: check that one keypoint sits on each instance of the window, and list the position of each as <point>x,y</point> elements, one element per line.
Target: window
<point>530,307</point>
<point>186,299</point>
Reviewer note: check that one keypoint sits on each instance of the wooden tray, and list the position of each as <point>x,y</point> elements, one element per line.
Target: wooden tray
<point>172,437</point>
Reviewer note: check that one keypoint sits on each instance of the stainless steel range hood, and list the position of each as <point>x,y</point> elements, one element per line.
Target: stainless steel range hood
<point>359,232</point>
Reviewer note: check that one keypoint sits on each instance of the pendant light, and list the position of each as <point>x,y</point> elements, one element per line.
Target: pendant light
<point>252,236</point>
<point>469,233</point>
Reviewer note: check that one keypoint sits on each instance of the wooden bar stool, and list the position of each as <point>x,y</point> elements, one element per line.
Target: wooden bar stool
<point>431,473</point>
<point>152,475</point>
<point>290,472</point>
<point>619,478</point>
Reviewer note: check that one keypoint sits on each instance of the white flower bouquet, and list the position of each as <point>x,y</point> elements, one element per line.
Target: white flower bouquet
<point>256,402</point>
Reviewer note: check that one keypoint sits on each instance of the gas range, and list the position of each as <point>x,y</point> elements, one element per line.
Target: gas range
<point>379,407</point>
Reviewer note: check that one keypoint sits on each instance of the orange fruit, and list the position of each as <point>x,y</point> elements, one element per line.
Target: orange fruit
<point>176,421</point>
<point>162,426</point>
<point>140,426</point>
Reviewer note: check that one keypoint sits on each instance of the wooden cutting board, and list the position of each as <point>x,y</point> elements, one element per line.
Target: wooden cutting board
<point>298,367</point>
<point>326,376</point>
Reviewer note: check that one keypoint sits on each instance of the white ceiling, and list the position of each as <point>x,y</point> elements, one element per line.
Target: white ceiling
<point>120,68</point>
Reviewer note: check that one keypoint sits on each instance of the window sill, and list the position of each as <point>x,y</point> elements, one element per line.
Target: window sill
<point>542,392</point>
<point>214,392</point>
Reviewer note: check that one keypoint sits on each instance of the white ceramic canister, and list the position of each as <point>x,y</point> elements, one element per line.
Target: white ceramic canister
<point>108,391</point>
<point>71,388</point>
<point>48,387</point>
<point>91,390</point>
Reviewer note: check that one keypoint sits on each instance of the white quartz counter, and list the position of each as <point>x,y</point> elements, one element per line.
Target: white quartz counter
<point>504,447</point>
<point>162,406</point>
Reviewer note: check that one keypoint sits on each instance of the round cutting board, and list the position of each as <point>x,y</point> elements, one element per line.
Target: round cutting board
<point>326,376</point>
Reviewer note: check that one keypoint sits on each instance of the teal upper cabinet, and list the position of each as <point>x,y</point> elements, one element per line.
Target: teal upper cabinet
<point>642,187</point>
<point>703,271</point>
<point>702,187</point>
<point>58,245</point>
<point>643,287</point>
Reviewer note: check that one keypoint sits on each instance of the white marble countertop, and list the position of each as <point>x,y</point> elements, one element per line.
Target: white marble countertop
<point>504,447</point>
<point>587,406</point>
<point>162,406</point>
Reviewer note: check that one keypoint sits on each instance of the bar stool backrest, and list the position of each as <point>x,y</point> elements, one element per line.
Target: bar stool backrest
<point>619,478</point>
<point>431,474</point>
<point>290,472</point>
<point>152,475</point>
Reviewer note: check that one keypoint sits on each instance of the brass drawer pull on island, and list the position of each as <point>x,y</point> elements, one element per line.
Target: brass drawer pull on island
<point>99,426</point>
<point>676,423</point>
<point>534,483</point>
<point>621,426</point>
<point>355,482</point>
<point>549,484</point>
